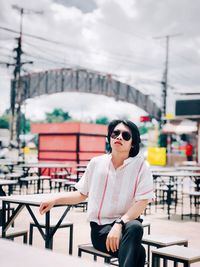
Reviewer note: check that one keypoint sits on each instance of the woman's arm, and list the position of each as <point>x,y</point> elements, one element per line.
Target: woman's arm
<point>69,198</point>
<point>113,238</point>
<point>135,210</point>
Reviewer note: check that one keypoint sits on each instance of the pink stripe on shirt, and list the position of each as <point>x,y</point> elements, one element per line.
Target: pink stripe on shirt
<point>103,196</point>
<point>136,182</point>
<point>145,192</point>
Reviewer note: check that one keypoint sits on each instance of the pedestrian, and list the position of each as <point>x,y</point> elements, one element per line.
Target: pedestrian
<point>189,151</point>
<point>118,186</point>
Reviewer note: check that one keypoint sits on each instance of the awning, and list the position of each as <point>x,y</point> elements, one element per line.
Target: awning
<point>180,127</point>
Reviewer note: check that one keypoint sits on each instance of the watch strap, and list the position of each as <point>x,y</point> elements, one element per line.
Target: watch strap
<point>120,221</point>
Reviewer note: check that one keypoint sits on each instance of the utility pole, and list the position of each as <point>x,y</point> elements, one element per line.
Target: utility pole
<point>164,82</point>
<point>16,86</point>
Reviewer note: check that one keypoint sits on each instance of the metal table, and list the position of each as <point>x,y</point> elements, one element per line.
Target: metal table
<point>173,176</point>
<point>30,201</point>
<point>8,183</point>
<point>44,167</point>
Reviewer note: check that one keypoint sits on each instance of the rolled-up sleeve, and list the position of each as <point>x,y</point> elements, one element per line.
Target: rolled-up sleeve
<point>83,186</point>
<point>144,187</point>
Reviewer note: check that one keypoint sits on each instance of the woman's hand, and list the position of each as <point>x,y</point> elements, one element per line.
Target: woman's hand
<point>46,206</point>
<point>113,238</point>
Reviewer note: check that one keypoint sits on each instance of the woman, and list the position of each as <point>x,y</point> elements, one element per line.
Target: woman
<point>119,186</point>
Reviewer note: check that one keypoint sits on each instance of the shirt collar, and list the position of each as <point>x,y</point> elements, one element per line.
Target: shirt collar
<point>128,160</point>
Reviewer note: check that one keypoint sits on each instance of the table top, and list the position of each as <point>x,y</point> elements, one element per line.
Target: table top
<point>179,252</point>
<point>13,254</point>
<point>7,182</point>
<point>8,163</point>
<point>34,199</point>
<point>162,169</point>
<point>164,240</point>
<point>177,174</point>
<point>188,168</point>
<point>46,165</point>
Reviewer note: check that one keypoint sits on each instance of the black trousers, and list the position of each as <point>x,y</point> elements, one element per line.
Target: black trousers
<point>131,253</point>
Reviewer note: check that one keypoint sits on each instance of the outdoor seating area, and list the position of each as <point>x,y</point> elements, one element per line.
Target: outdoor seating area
<point>176,203</point>
<point>99,133</point>
<point>31,178</point>
<point>177,190</point>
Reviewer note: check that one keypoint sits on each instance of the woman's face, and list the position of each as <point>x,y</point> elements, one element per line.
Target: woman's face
<point>121,139</point>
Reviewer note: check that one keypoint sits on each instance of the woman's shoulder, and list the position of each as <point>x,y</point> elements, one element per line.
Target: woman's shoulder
<point>101,158</point>
<point>139,160</point>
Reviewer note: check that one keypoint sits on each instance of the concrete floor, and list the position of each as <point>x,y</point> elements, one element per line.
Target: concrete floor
<point>187,228</point>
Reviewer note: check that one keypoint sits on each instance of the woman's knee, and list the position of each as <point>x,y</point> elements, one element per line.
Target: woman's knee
<point>134,228</point>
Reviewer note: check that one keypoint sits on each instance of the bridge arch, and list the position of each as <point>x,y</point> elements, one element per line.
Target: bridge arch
<point>85,81</point>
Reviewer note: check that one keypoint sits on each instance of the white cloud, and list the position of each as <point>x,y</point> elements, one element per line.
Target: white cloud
<point>111,36</point>
<point>81,106</point>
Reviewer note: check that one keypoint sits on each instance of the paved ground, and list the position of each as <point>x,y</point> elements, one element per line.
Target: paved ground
<point>187,228</point>
<point>159,225</point>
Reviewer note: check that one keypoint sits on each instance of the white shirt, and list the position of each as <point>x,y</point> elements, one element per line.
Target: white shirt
<point>112,191</point>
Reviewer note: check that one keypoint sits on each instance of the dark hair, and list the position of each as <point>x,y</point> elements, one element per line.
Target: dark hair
<point>134,132</point>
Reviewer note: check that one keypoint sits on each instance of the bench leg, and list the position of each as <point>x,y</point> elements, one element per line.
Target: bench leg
<point>155,261</point>
<point>31,237</point>
<point>164,263</point>
<point>148,255</point>
<point>107,260</point>
<point>71,239</point>
<point>79,252</point>
<point>31,234</point>
<point>25,238</point>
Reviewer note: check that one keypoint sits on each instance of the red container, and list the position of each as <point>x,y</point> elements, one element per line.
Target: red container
<point>71,141</point>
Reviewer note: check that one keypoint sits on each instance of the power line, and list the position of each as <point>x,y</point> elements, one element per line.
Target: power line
<point>16,88</point>
<point>165,74</point>
<point>127,59</point>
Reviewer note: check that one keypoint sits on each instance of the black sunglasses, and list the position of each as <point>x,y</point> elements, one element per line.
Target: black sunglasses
<point>125,135</point>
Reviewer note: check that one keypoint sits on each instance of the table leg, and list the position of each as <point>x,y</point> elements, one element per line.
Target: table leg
<point>48,237</point>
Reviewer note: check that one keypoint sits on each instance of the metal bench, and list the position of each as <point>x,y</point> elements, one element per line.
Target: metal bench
<point>160,241</point>
<point>177,254</point>
<point>14,232</point>
<point>88,248</point>
<point>194,204</point>
<point>64,224</point>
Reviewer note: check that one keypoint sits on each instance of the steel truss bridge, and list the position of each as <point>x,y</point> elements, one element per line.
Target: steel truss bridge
<point>84,81</point>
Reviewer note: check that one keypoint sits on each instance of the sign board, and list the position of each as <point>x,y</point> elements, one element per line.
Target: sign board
<point>190,107</point>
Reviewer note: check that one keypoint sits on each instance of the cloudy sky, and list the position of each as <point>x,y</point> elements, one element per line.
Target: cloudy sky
<point>126,39</point>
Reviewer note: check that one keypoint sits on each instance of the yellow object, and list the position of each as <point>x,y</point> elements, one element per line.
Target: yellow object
<point>169,116</point>
<point>26,150</point>
<point>156,156</point>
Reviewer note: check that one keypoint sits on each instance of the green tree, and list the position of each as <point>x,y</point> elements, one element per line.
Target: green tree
<point>143,129</point>
<point>4,122</point>
<point>25,125</point>
<point>162,140</point>
<point>102,120</point>
<point>57,115</point>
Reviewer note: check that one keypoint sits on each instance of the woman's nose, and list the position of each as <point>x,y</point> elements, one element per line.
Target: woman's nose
<point>119,136</point>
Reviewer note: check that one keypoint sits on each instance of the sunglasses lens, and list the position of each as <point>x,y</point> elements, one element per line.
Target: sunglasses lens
<point>126,136</point>
<point>115,134</point>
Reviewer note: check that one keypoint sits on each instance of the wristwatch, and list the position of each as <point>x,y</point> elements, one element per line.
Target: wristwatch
<point>120,221</point>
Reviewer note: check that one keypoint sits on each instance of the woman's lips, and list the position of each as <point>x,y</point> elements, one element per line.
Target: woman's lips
<point>118,143</point>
